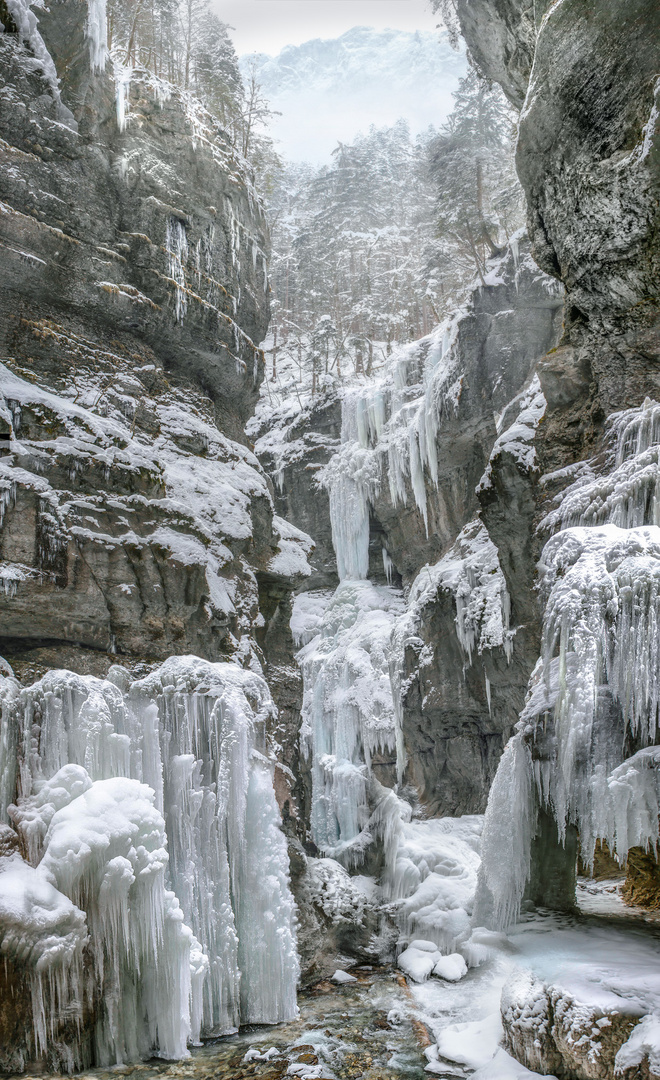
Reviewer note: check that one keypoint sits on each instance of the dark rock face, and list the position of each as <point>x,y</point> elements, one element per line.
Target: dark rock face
<point>293,460</point>
<point>591,173</point>
<point>133,296</point>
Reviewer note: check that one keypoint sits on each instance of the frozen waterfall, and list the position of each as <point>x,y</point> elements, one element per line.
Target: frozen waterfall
<point>595,693</point>
<point>354,641</point>
<point>154,857</point>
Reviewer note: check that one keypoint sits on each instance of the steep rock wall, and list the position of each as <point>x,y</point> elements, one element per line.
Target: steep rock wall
<point>133,297</point>
<point>442,538</point>
<point>585,79</point>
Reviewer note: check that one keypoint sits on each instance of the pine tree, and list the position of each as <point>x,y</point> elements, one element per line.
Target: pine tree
<point>471,163</point>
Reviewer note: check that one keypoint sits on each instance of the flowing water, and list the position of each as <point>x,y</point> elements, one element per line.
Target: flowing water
<point>363,1029</point>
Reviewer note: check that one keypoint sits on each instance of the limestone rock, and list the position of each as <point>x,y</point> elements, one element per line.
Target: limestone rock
<point>550,1030</point>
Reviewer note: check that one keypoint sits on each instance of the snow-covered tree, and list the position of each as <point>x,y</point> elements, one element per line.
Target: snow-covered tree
<point>185,43</point>
<point>471,164</point>
<point>353,252</point>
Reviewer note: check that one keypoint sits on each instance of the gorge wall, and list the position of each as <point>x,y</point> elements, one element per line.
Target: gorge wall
<point>135,525</point>
<point>134,290</point>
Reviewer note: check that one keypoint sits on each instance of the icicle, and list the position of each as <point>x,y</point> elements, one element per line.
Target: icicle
<point>151,807</point>
<point>348,712</point>
<point>598,681</point>
<point>388,565</point>
<point>96,32</point>
<point>176,245</point>
<point>509,826</point>
<point>122,75</point>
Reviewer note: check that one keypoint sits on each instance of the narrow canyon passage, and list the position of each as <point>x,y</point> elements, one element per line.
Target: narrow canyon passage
<point>329,540</point>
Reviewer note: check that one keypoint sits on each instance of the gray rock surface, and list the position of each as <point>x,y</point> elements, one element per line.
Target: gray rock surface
<point>585,78</point>
<point>133,296</point>
<point>554,1031</point>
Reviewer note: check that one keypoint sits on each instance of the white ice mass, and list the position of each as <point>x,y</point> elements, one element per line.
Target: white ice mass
<point>597,685</point>
<point>148,814</point>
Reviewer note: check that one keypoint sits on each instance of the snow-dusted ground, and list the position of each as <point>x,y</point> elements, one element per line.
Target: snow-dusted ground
<point>597,967</point>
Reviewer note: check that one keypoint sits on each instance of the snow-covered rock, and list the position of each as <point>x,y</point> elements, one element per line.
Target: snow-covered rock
<point>343,977</point>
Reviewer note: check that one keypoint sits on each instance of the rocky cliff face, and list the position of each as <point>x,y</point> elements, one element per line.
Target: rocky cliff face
<point>135,520</point>
<point>585,80</point>
<point>136,525</point>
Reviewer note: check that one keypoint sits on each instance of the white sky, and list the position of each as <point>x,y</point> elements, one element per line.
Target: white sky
<point>268,25</point>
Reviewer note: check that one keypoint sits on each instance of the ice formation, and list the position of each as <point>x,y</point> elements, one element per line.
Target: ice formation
<point>430,881</point>
<point>471,571</point>
<point>97,33</point>
<point>348,712</point>
<point>389,433</point>
<point>149,816</point>
<point>27,25</point>
<point>596,688</point>
<point>517,438</point>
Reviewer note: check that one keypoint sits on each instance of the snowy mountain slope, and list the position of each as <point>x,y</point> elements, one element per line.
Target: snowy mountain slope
<point>328,90</point>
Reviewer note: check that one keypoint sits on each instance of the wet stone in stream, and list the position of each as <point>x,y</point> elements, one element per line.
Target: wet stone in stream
<point>363,1029</point>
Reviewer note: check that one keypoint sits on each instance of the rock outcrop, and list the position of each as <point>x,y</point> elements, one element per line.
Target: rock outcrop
<point>461,682</point>
<point>134,294</point>
<point>585,80</point>
<point>552,1031</point>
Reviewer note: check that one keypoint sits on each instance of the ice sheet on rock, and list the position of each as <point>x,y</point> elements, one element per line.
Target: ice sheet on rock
<point>343,977</point>
<point>473,1043</point>
<point>200,847</point>
<point>417,962</point>
<point>307,614</point>
<point>452,967</point>
<point>471,572</point>
<point>27,25</point>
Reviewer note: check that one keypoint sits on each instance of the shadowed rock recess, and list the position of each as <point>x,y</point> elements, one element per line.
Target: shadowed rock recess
<point>255,700</point>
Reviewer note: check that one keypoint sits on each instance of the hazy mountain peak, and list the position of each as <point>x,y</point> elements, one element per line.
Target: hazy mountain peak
<point>329,89</point>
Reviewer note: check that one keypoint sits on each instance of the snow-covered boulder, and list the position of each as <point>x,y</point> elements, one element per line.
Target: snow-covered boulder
<point>452,967</point>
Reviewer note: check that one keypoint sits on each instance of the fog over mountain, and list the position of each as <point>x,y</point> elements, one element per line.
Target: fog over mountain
<point>329,90</point>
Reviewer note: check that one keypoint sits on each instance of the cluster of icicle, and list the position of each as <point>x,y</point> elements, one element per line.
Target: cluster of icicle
<point>355,641</point>
<point>391,426</point>
<point>596,688</point>
<point>154,903</point>
<point>348,714</point>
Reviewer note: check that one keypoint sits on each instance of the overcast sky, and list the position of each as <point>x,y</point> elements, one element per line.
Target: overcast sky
<point>268,25</point>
